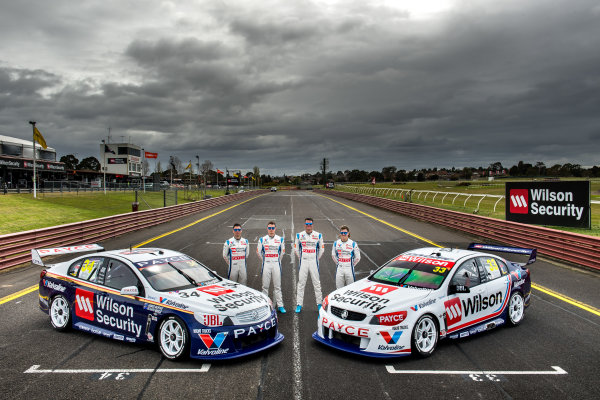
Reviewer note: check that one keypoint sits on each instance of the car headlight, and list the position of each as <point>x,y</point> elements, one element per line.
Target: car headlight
<point>326,303</point>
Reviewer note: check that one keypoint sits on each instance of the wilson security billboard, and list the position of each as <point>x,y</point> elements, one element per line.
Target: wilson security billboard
<point>549,203</point>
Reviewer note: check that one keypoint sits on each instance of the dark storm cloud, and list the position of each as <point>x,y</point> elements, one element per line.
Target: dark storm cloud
<point>284,86</point>
<point>23,82</point>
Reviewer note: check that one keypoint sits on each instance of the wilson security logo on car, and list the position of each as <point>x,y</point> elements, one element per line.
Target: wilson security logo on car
<point>85,304</point>
<point>215,290</point>
<point>453,311</point>
<point>519,201</point>
<point>378,289</point>
<point>425,260</point>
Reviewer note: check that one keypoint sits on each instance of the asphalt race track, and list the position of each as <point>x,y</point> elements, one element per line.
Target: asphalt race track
<point>554,353</point>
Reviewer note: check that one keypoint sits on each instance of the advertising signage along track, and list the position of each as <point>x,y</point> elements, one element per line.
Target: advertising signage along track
<point>549,203</point>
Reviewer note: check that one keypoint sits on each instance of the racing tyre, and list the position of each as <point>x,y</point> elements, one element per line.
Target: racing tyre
<point>173,338</point>
<point>516,308</point>
<point>424,336</point>
<point>60,313</point>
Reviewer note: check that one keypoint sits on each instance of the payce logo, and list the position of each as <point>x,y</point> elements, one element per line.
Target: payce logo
<point>519,201</point>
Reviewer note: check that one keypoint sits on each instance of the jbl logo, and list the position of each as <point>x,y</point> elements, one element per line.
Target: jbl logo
<point>519,200</point>
<point>212,320</point>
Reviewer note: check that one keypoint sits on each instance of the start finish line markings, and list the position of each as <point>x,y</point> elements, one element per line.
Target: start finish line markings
<point>34,369</point>
<point>475,375</point>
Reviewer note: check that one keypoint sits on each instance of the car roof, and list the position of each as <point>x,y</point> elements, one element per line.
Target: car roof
<point>449,254</point>
<point>141,254</point>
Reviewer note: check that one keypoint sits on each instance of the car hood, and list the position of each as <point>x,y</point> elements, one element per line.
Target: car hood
<point>224,298</point>
<point>372,298</point>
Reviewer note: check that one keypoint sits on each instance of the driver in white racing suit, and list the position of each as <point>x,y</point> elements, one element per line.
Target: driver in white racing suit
<point>235,254</point>
<point>270,250</point>
<point>346,255</point>
<point>309,248</point>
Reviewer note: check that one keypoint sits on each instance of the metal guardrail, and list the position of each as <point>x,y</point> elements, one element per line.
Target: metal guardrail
<point>567,246</point>
<point>15,247</point>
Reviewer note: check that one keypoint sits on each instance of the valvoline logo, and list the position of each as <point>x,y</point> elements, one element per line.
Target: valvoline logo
<point>391,339</point>
<point>519,201</point>
<point>85,304</point>
<point>213,343</point>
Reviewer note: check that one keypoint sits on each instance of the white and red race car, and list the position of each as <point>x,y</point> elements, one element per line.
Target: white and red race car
<point>423,295</point>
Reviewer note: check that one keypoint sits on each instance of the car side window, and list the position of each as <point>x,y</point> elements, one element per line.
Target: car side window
<point>491,267</point>
<point>119,275</point>
<point>86,268</point>
<point>503,267</point>
<point>467,274</point>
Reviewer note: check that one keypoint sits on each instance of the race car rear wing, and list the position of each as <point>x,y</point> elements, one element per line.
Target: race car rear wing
<point>37,254</point>
<point>532,253</point>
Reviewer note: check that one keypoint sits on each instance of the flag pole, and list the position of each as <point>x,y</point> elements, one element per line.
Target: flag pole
<point>34,169</point>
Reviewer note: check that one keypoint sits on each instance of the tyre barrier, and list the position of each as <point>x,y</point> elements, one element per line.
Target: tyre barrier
<point>574,248</point>
<point>15,248</point>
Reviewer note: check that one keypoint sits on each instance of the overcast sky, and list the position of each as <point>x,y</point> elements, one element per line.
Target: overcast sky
<point>283,84</point>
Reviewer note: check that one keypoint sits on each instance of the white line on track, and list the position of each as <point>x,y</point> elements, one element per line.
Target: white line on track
<point>35,369</point>
<point>296,360</point>
<point>557,371</point>
<point>325,242</point>
<point>369,258</point>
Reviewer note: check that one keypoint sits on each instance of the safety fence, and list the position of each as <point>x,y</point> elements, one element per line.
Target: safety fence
<point>15,248</point>
<point>475,200</point>
<point>567,246</point>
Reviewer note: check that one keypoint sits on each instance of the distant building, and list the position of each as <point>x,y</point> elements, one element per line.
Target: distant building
<point>16,163</point>
<point>123,160</point>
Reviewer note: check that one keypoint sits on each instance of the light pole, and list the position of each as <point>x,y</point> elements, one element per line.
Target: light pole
<point>226,181</point>
<point>34,169</point>
<point>104,167</point>
<point>144,170</point>
<point>198,165</point>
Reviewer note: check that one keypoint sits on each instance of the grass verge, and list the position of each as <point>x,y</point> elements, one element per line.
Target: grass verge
<point>21,212</point>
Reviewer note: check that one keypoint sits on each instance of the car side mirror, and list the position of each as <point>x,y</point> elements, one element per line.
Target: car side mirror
<point>452,289</point>
<point>130,291</point>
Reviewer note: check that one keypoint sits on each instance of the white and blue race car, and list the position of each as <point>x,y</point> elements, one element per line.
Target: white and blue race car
<point>158,296</point>
<point>423,295</point>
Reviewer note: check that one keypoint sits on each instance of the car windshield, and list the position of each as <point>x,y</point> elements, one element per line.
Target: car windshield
<point>177,275</point>
<point>413,271</point>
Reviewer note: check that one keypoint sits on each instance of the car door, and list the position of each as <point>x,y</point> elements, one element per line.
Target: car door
<point>497,285</point>
<point>84,272</point>
<point>461,306</point>
<point>123,315</point>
